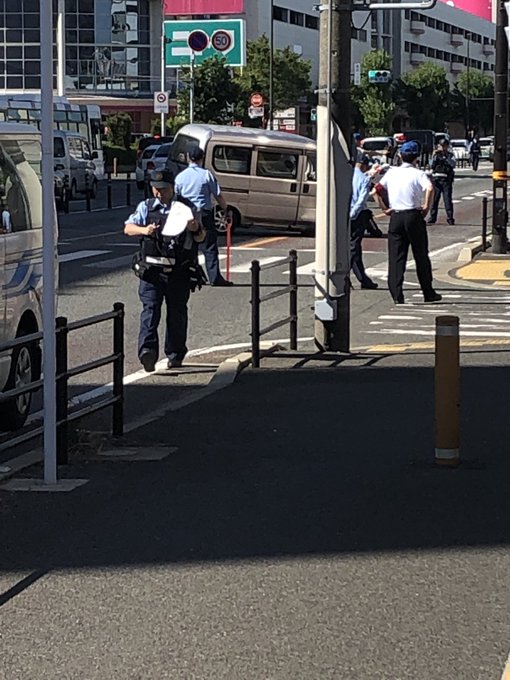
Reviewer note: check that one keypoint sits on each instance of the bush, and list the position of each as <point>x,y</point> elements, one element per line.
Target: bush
<point>119,126</point>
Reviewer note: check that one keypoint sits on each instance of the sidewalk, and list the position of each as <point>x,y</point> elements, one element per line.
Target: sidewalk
<point>486,269</point>
<point>297,532</point>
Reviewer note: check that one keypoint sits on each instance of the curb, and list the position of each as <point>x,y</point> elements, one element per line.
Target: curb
<point>224,376</point>
<point>468,252</point>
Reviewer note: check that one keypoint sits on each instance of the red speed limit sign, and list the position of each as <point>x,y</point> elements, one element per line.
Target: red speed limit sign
<point>221,40</point>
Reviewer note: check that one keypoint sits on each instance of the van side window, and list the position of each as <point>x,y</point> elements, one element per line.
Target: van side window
<point>278,164</point>
<point>232,159</point>
<point>87,155</point>
<point>75,147</point>
<point>311,168</point>
<point>13,199</point>
<point>59,150</point>
<point>180,147</point>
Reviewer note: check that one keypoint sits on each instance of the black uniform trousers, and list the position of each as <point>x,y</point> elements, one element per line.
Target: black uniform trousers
<point>444,188</point>
<point>210,247</point>
<point>358,228</point>
<point>408,228</point>
<point>174,290</point>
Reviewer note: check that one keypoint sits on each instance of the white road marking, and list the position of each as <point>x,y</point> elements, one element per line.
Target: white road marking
<point>113,263</point>
<point>244,268</point>
<point>468,198</point>
<point>81,255</point>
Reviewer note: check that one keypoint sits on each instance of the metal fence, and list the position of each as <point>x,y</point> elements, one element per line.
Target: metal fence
<point>257,299</point>
<point>64,373</point>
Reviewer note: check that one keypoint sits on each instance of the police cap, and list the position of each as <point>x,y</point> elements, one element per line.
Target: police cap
<point>411,148</point>
<point>366,160</point>
<point>161,179</point>
<point>195,153</point>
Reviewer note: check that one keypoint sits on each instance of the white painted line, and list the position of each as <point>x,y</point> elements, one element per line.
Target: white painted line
<point>92,235</point>
<point>112,263</point>
<point>399,317</point>
<point>245,267</point>
<point>305,269</point>
<point>474,334</point>
<point>81,255</point>
<point>455,200</point>
<point>468,198</point>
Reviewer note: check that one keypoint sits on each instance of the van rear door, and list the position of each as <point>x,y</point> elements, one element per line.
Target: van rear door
<point>274,186</point>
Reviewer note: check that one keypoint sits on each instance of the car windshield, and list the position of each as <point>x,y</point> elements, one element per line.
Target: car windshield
<point>374,144</point>
<point>163,150</point>
<point>485,142</point>
<point>458,142</point>
<point>149,151</point>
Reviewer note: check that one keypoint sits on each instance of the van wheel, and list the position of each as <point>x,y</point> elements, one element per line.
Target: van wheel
<point>15,411</point>
<point>219,220</point>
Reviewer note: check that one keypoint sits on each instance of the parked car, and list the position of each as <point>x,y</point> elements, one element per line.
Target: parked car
<point>378,146</point>
<point>268,178</point>
<point>151,140</point>
<point>141,165</point>
<point>460,149</point>
<point>486,148</point>
<point>72,156</point>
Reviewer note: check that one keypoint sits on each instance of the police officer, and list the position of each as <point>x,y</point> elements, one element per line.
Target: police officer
<point>409,196</point>
<point>360,217</point>
<point>443,164</point>
<point>200,187</point>
<point>170,280</point>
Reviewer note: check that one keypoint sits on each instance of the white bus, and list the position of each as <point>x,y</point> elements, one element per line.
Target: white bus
<point>82,118</point>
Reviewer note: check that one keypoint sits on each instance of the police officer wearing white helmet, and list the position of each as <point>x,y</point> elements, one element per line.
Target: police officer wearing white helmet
<point>409,194</point>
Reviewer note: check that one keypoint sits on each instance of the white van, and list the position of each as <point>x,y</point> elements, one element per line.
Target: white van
<point>72,156</point>
<point>21,260</point>
<point>268,178</point>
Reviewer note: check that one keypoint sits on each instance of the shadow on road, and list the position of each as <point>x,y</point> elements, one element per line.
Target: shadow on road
<point>283,463</point>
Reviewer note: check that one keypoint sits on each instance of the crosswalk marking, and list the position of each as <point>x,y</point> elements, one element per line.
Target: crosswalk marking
<point>244,268</point>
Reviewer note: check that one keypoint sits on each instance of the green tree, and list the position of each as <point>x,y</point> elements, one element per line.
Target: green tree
<point>374,100</point>
<point>424,93</point>
<point>291,76</point>
<point>120,126</point>
<point>478,88</point>
<point>216,92</point>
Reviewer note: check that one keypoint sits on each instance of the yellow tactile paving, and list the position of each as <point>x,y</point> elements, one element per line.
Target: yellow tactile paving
<point>496,270</point>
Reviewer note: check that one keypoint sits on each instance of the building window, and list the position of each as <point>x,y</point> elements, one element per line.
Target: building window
<point>362,35</point>
<point>280,14</point>
<point>373,41</point>
<point>312,22</point>
<point>296,18</point>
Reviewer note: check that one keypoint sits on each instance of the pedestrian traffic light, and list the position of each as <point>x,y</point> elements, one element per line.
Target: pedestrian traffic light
<point>379,76</point>
<point>313,116</point>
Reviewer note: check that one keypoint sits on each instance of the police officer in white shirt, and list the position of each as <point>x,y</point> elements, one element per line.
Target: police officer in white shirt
<point>410,193</point>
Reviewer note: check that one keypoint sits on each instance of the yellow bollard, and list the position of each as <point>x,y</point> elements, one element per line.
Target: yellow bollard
<point>447,391</point>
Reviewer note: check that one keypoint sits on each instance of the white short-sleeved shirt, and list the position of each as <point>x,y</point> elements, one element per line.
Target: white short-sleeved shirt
<point>405,186</point>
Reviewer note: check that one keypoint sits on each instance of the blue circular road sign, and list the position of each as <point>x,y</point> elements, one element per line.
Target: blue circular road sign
<point>198,41</point>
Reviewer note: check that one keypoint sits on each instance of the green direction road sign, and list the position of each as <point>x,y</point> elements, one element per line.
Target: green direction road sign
<point>226,37</point>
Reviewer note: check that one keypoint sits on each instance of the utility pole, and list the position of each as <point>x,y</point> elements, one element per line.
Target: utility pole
<point>163,70</point>
<point>271,64</point>
<point>468,122</point>
<point>192,86</point>
<point>334,179</point>
<point>499,174</point>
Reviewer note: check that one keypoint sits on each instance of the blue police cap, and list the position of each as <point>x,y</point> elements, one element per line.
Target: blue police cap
<point>411,148</point>
<point>366,160</point>
<point>195,153</point>
<point>161,178</point>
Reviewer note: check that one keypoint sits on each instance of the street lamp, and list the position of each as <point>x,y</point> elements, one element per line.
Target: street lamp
<point>468,123</point>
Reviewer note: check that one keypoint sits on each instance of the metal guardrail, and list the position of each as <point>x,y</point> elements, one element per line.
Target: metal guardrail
<point>88,194</point>
<point>64,373</point>
<point>257,299</point>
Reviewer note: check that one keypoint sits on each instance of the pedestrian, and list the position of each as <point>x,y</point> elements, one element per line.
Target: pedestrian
<point>474,152</point>
<point>409,196</point>
<point>6,220</point>
<point>358,150</point>
<point>201,187</point>
<point>360,216</point>
<point>168,270</point>
<point>443,174</point>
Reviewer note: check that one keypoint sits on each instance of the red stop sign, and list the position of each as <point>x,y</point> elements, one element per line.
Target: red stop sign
<point>256,99</point>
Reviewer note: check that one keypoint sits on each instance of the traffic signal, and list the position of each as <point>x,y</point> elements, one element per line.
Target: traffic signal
<point>379,76</point>
<point>313,116</point>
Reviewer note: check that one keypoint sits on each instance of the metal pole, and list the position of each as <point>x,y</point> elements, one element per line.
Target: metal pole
<point>128,189</point>
<point>163,67</point>
<point>49,246</point>
<point>118,370</point>
<point>484,223</point>
<point>468,123</point>
<point>61,388</point>
<point>499,176</point>
<point>293,311</point>
<point>192,87</point>
<point>447,390</point>
<point>271,74</point>
<point>61,60</point>
<point>109,191</point>
<point>228,222</point>
<point>255,314</point>
<point>334,181</point>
